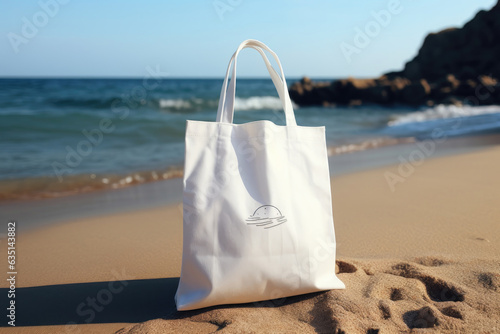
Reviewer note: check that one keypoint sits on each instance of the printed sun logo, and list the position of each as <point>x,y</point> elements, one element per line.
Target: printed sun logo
<point>266,216</point>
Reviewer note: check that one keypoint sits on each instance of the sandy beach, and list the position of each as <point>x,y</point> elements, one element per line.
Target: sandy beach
<point>425,255</point>
<point>98,138</point>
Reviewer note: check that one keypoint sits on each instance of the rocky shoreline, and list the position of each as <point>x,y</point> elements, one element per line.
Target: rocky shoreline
<point>455,66</point>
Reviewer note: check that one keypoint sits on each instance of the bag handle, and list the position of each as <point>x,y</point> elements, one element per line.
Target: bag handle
<point>228,102</point>
<point>225,110</point>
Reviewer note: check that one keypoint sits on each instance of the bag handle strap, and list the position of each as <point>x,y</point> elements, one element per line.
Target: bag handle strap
<point>225,110</point>
<point>228,95</point>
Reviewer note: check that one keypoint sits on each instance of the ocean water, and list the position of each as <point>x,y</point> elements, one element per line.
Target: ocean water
<point>65,136</point>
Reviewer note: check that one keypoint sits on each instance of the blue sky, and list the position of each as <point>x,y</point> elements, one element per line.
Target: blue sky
<point>196,38</point>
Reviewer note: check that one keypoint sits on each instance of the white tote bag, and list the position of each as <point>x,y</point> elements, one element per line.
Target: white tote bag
<point>257,211</point>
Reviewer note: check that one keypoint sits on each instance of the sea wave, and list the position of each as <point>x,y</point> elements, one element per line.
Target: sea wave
<point>368,144</point>
<point>196,104</point>
<point>258,103</point>
<point>177,104</point>
<point>50,187</point>
<point>442,112</point>
<point>166,104</point>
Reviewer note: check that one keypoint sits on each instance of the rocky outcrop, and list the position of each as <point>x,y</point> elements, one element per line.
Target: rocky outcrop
<point>454,66</point>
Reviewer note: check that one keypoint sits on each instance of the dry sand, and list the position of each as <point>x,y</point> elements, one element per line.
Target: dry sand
<point>424,258</point>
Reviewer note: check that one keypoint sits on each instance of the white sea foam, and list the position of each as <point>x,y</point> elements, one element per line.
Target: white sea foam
<point>249,103</point>
<point>368,144</point>
<point>258,103</point>
<point>442,112</point>
<point>174,104</point>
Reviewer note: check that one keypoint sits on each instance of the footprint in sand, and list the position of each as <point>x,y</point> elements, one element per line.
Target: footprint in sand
<point>345,267</point>
<point>430,261</point>
<point>429,316</point>
<point>425,317</point>
<point>437,289</point>
<point>452,311</point>
<point>490,281</point>
<point>385,309</point>
<point>396,294</point>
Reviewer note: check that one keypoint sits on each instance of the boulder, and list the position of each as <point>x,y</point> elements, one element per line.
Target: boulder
<point>453,66</point>
<point>416,93</point>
